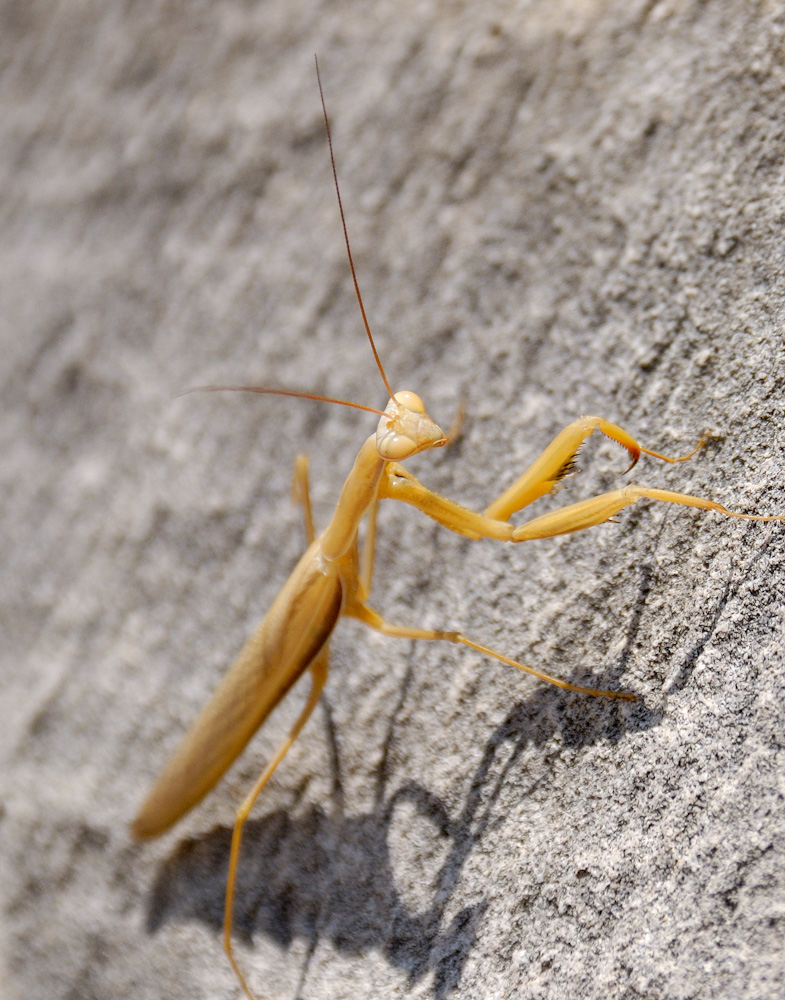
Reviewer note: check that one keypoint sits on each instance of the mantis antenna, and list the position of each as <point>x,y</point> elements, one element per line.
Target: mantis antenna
<point>310,395</point>
<point>387,386</point>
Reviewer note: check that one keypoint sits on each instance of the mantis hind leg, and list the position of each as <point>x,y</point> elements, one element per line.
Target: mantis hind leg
<point>319,676</point>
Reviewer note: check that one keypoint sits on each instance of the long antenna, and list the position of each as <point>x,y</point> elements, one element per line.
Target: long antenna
<point>346,235</point>
<point>279,392</point>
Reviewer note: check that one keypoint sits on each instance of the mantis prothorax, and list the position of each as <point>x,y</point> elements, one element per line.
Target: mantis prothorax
<point>333,579</point>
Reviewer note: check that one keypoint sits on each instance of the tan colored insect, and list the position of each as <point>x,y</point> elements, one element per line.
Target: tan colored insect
<point>333,579</point>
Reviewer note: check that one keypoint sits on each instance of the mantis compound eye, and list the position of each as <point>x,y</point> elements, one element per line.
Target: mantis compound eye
<point>394,447</point>
<point>410,400</point>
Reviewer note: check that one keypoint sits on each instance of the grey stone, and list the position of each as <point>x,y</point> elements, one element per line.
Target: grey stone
<point>556,208</point>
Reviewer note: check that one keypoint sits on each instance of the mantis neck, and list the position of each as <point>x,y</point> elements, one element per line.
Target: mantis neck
<point>358,493</point>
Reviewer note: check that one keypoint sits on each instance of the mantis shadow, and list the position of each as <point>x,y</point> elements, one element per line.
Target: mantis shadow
<point>330,875</point>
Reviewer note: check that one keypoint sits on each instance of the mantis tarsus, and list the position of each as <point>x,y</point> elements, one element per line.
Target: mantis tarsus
<point>333,579</point>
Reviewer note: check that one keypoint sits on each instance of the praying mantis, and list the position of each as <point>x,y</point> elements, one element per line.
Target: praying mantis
<point>333,580</point>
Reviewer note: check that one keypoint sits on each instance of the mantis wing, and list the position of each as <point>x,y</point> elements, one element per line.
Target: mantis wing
<point>294,631</point>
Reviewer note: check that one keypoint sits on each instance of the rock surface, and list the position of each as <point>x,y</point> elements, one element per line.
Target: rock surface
<point>556,208</point>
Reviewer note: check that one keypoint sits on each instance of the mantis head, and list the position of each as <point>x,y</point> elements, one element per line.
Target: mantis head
<point>405,428</point>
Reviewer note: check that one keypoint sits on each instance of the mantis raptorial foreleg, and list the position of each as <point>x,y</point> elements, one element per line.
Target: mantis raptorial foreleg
<point>558,461</point>
<point>598,510</point>
<point>401,485</point>
<point>540,478</point>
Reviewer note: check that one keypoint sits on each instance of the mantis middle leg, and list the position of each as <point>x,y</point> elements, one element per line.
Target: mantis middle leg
<point>371,618</point>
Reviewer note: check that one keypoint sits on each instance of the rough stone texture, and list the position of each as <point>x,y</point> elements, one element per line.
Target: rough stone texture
<point>556,207</point>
